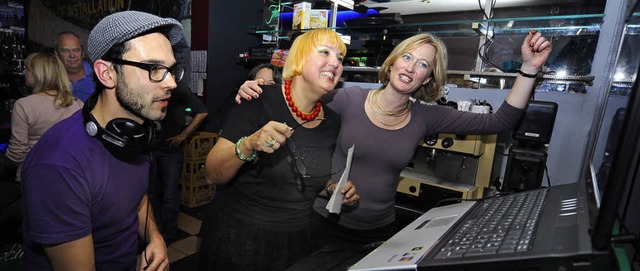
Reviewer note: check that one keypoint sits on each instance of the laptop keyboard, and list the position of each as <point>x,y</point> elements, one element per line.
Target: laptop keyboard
<point>501,225</point>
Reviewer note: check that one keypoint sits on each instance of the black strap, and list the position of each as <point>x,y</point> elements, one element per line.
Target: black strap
<point>528,75</point>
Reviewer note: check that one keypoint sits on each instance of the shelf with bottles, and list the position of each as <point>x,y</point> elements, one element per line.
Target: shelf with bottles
<point>12,36</point>
<point>12,53</point>
<point>572,25</point>
<point>569,33</point>
<point>461,32</point>
<point>277,23</point>
<point>278,18</point>
<point>12,17</point>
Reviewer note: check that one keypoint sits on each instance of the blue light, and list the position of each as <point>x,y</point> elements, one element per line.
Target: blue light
<point>286,18</point>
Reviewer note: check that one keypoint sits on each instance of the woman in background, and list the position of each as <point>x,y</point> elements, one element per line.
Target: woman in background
<point>267,72</point>
<point>51,101</point>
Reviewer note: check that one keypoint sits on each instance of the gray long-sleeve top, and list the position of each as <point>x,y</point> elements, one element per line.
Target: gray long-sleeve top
<point>381,154</point>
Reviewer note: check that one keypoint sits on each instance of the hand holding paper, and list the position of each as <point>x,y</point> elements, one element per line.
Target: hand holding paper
<point>335,202</point>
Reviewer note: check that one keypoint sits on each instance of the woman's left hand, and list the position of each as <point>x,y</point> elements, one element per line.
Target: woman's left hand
<point>349,191</point>
<point>535,51</point>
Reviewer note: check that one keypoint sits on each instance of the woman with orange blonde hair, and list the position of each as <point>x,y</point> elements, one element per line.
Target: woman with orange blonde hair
<point>272,159</point>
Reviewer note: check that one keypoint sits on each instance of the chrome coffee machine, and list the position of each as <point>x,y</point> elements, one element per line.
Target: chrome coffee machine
<point>446,166</point>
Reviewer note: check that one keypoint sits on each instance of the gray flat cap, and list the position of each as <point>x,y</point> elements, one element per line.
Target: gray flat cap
<point>122,26</point>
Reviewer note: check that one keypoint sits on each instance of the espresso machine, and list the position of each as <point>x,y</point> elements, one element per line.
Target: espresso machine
<point>446,166</point>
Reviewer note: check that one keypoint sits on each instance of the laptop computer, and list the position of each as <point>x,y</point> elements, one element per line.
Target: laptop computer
<point>570,226</point>
<point>407,247</point>
<point>561,237</point>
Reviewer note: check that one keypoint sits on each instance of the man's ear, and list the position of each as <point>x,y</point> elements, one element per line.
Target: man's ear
<point>105,72</point>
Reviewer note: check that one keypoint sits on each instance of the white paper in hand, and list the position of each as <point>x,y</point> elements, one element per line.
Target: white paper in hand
<point>334,205</point>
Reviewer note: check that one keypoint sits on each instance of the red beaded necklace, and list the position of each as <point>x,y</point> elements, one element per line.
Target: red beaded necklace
<point>306,117</point>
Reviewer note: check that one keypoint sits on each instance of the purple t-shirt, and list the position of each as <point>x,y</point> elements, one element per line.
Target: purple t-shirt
<point>74,187</point>
<point>381,154</point>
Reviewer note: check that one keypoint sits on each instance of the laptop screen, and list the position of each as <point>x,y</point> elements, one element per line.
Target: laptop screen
<point>621,194</point>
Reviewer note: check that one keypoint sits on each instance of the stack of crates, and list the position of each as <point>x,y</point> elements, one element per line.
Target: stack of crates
<point>195,191</point>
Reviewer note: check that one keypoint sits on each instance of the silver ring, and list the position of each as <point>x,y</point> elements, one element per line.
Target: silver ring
<point>270,143</point>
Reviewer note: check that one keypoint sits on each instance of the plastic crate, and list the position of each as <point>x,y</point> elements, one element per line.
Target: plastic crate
<point>198,146</point>
<point>194,196</point>
<point>193,172</point>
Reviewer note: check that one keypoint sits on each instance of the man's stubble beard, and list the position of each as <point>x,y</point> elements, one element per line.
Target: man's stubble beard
<point>130,101</point>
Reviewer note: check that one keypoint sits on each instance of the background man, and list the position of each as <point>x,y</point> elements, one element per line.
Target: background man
<point>68,48</point>
<point>85,181</point>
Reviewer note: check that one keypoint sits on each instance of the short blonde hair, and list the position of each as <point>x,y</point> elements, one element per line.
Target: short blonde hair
<point>304,44</point>
<point>49,74</point>
<point>434,89</point>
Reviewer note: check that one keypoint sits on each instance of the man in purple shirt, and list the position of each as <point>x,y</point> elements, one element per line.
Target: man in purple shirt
<point>68,48</point>
<point>85,182</point>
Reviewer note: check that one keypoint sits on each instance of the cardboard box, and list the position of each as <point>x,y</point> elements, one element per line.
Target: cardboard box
<point>193,173</point>
<point>279,56</point>
<point>319,18</point>
<point>301,15</point>
<point>194,196</point>
<point>198,146</point>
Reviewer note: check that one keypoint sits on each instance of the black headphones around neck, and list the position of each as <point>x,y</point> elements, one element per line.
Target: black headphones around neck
<point>122,137</point>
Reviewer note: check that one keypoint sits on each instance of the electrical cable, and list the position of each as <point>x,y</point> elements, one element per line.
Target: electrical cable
<point>146,219</point>
<point>483,11</point>
<point>483,50</point>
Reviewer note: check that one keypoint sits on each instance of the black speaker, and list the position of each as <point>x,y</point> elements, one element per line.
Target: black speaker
<point>536,124</point>
<point>525,169</point>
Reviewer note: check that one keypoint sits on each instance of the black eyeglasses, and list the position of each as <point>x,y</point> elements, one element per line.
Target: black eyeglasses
<point>157,72</point>
<point>298,167</point>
